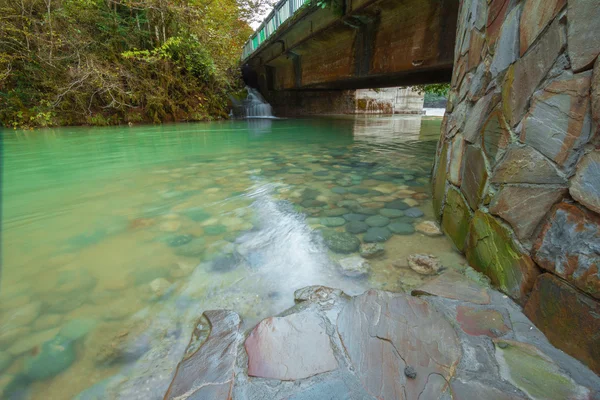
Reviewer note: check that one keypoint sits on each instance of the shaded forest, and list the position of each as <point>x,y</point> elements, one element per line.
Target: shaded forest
<point>103,62</point>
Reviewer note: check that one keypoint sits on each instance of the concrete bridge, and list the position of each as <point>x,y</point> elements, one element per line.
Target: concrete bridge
<point>358,44</point>
<point>516,182</point>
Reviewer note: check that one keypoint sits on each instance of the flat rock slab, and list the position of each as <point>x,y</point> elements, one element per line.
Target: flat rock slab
<point>384,333</point>
<point>530,370</point>
<point>290,348</point>
<point>453,285</point>
<point>208,373</point>
<point>477,322</point>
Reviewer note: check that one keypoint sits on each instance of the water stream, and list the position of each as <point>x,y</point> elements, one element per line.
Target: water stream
<point>116,239</point>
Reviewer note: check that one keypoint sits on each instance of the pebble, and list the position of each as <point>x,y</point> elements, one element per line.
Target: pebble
<point>377,221</point>
<point>77,328</point>
<point>401,228</point>
<point>180,240</point>
<point>194,248</point>
<point>5,360</point>
<point>348,203</point>
<point>424,264</point>
<point>355,227</point>
<point>413,212</point>
<point>332,222</point>
<point>29,342</point>
<point>428,228</point>
<point>214,230</point>
<point>24,315</point>
<point>391,213</point>
<point>411,202</point>
<point>159,286</point>
<point>170,226</point>
<point>355,217</point>
<point>47,321</point>
<point>371,250</point>
<point>340,242</point>
<point>55,356</point>
<point>354,266</point>
<point>335,212</point>
<point>377,235</point>
<point>397,205</point>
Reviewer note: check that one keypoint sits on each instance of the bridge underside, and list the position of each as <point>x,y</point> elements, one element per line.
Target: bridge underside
<point>374,43</point>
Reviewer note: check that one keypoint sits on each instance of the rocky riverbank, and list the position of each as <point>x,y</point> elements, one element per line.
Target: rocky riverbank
<point>453,338</point>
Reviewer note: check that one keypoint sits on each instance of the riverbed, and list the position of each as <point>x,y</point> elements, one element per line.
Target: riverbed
<point>105,227</point>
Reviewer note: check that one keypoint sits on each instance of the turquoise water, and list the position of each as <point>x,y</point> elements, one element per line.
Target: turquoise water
<point>114,234</point>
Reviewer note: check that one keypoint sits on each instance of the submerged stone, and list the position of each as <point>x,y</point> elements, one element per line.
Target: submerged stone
<point>401,228</point>
<point>340,242</point>
<point>424,264</point>
<point>194,248</point>
<point>414,212</point>
<point>197,214</point>
<point>355,217</point>
<point>225,262</point>
<point>354,266</point>
<point>377,221</point>
<point>355,227</point>
<point>428,228</point>
<point>77,328</point>
<point>54,357</point>
<point>372,250</point>
<point>397,205</point>
<point>180,240</point>
<point>333,221</point>
<point>335,212</point>
<point>215,230</point>
<point>339,190</point>
<point>391,213</point>
<point>377,235</point>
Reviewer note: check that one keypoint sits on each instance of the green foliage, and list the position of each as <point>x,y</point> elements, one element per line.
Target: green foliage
<point>105,62</point>
<point>438,89</point>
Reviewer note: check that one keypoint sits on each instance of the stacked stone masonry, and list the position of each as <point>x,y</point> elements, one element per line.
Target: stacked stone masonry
<point>517,175</point>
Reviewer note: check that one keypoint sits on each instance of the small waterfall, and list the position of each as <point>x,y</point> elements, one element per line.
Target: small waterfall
<point>253,106</point>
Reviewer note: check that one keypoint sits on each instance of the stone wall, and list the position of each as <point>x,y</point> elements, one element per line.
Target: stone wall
<point>392,100</point>
<point>517,175</point>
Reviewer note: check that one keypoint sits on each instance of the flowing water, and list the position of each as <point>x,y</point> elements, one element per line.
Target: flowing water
<point>116,239</point>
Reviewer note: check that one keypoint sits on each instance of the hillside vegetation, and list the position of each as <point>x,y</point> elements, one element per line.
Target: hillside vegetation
<point>102,62</point>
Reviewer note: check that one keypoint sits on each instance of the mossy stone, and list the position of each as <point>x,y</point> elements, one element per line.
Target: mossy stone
<point>340,242</point>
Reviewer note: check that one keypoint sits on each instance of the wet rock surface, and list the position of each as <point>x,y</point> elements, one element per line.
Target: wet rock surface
<point>462,340</point>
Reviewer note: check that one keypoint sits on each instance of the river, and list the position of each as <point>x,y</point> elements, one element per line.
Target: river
<point>107,232</point>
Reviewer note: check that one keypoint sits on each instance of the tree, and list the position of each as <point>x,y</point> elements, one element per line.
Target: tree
<point>115,61</point>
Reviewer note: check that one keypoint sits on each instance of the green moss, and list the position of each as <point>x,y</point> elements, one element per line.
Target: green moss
<point>439,181</point>
<point>534,373</point>
<point>456,218</point>
<point>491,250</point>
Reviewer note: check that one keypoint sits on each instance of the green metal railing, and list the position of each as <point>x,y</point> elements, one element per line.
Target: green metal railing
<point>280,13</point>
